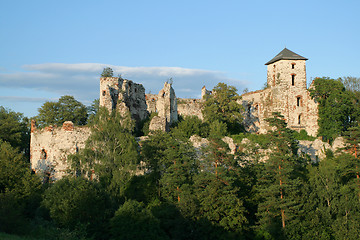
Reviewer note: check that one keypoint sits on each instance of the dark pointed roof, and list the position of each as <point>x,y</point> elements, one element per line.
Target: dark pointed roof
<point>286,54</point>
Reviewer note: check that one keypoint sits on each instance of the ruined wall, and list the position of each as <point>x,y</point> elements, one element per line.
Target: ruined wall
<point>287,94</point>
<point>123,95</point>
<point>151,100</point>
<point>190,107</point>
<point>50,147</point>
<point>166,107</point>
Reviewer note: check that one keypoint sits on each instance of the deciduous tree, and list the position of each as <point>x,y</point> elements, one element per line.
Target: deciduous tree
<point>66,109</point>
<point>222,106</point>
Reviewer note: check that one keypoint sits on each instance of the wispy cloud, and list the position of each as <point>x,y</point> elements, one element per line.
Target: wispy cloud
<point>82,79</point>
<point>25,99</point>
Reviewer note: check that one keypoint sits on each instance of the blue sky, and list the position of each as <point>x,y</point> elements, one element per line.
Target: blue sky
<point>54,48</point>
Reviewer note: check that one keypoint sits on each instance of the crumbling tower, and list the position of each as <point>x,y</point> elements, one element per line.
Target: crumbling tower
<point>166,106</point>
<point>124,96</point>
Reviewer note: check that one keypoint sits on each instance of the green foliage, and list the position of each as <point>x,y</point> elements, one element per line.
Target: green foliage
<point>110,152</point>
<point>217,190</point>
<point>143,127</point>
<point>66,109</point>
<point>107,72</point>
<point>14,129</point>
<point>134,221</point>
<point>332,200</point>
<point>303,135</point>
<point>93,109</point>
<point>171,163</point>
<point>190,125</point>
<point>279,181</point>
<point>336,107</point>
<point>73,202</point>
<point>222,106</point>
<point>19,190</point>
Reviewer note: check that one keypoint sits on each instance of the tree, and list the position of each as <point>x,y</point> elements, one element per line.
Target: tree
<point>335,107</point>
<point>331,204</point>
<point>107,72</point>
<point>223,106</point>
<point>279,181</point>
<point>217,189</point>
<point>66,109</point>
<point>14,129</point>
<point>19,189</point>
<point>134,221</point>
<point>73,202</point>
<point>172,165</point>
<point>351,83</point>
<point>93,109</point>
<point>190,125</point>
<point>110,154</point>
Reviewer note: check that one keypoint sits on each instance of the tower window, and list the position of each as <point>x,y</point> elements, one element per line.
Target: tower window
<point>298,101</point>
<point>293,66</point>
<point>104,93</point>
<point>293,79</point>
<point>299,119</point>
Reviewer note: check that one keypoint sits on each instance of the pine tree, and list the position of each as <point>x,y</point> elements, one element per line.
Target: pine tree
<point>279,181</point>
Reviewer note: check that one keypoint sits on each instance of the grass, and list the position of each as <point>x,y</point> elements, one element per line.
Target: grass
<point>5,236</point>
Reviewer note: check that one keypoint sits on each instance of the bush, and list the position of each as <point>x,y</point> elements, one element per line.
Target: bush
<point>134,221</point>
<point>76,202</point>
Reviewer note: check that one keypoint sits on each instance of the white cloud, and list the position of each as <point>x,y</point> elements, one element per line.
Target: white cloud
<point>82,79</point>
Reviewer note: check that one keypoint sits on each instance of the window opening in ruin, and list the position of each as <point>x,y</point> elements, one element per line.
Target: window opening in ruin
<point>299,119</point>
<point>293,79</point>
<point>43,154</point>
<point>249,109</point>
<point>298,100</point>
<point>104,93</point>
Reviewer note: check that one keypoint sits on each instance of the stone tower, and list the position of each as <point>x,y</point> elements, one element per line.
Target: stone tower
<point>286,93</point>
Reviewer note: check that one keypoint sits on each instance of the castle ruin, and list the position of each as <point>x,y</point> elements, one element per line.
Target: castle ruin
<point>286,92</point>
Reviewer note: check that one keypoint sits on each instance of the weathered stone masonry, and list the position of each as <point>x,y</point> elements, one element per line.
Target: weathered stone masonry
<point>50,146</point>
<point>286,93</point>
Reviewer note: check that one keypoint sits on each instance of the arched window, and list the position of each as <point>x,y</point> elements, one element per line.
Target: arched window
<point>298,101</point>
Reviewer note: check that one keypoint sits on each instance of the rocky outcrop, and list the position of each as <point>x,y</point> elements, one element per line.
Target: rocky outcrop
<point>316,149</point>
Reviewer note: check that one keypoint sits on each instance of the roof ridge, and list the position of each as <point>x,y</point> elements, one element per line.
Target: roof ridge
<point>286,54</point>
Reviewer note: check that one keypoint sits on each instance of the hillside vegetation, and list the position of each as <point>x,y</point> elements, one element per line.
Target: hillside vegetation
<point>167,189</point>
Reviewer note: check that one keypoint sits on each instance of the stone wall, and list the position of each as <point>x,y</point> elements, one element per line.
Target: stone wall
<point>124,96</point>
<point>166,107</point>
<point>190,107</point>
<point>50,147</point>
<point>286,93</point>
